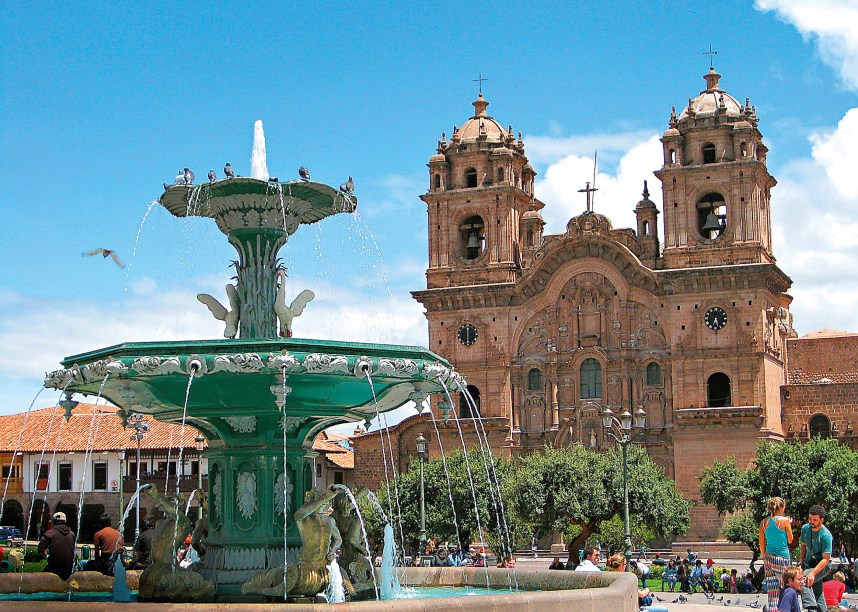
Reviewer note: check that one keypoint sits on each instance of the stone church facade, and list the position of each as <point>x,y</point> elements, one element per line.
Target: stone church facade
<point>686,316</point>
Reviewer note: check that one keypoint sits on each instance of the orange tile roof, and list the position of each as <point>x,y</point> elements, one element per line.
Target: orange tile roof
<point>345,460</point>
<point>102,427</point>
<point>340,456</point>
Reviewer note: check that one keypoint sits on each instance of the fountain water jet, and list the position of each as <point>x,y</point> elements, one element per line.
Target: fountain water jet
<point>258,163</point>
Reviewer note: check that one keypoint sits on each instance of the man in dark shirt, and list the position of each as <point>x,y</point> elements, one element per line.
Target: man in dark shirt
<point>58,544</point>
<point>143,546</point>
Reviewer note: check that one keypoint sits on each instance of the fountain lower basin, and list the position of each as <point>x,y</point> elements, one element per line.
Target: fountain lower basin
<point>540,590</point>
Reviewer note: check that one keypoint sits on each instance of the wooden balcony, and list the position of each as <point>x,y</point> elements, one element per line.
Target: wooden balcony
<point>16,485</point>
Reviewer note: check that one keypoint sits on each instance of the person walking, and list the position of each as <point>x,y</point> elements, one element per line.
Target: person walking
<point>814,557</point>
<point>58,544</point>
<point>775,536</point>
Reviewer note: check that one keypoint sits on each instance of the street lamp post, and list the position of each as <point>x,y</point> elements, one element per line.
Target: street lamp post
<point>422,455</point>
<point>140,428</point>
<point>620,429</point>
<point>200,442</point>
<point>121,454</point>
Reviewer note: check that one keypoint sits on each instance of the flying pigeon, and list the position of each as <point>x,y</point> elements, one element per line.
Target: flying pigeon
<point>348,187</point>
<point>227,170</point>
<point>212,176</point>
<point>104,253</point>
<point>304,173</point>
<point>230,317</point>
<point>286,313</point>
<point>188,176</point>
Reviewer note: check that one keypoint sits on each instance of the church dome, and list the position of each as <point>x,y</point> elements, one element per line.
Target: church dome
<point>712,100</point>
<point>481,125</point>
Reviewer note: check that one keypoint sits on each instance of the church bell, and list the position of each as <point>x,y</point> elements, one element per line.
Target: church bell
<point>712,223</point>
<point>473,241</point>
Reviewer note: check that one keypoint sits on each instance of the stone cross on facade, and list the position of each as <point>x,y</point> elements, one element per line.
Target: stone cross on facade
<point>711,55</point>
<point>480,80</point>
<point>588,190</point>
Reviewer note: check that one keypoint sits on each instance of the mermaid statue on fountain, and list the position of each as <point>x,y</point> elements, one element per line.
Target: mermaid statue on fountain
<point>320,541</point>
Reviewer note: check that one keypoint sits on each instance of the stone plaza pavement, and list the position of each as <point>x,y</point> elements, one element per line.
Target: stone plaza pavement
<point>696,602</point>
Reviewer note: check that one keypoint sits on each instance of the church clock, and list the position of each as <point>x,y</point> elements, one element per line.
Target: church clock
<point>467,334</point>
<point>715,318</point>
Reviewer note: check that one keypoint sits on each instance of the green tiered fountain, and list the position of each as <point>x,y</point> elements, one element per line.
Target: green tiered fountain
<point>260,399</point>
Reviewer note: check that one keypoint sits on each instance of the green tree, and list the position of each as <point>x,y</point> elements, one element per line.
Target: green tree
<point>575,491</point>
<point>440,521</point>
<point>803,473</point>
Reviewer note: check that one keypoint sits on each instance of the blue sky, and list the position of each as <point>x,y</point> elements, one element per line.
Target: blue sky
<point>100,104</point>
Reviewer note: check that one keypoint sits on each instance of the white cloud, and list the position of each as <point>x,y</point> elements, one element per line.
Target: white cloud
<point>548,149</point>
<point>837,153</point>
<point>618,193</point>
<point>833,24</point>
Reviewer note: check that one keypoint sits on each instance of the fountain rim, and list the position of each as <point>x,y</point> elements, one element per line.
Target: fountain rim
<point>175,197</point>
<point>255,345</point>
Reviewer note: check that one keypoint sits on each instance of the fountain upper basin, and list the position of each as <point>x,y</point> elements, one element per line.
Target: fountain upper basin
<point>239,203</point>
<point>324,379</point>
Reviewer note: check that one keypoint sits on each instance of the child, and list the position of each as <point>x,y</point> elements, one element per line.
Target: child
<point>725,580</point>
<point>833,590</point>
<point>734,581</point>
<point>790,599</point>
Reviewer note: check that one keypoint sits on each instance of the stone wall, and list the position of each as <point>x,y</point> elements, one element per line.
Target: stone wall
<point>815,358</point>
<point>700,437</point>
<point>838,401</point>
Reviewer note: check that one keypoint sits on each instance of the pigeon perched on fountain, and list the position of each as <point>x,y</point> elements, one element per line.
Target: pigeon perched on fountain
<point>104,253</point>
<point>180,178</point>
<point>227,170</point>
<point>304,173</point>
<point>348,187</point>
<point>212,176</point>
<point>286,313</point>
<point>229,317</point>
<point>188,176</point>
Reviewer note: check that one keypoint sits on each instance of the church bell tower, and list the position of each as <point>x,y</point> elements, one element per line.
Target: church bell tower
<point>480,186</point>
<point>715,182</point>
